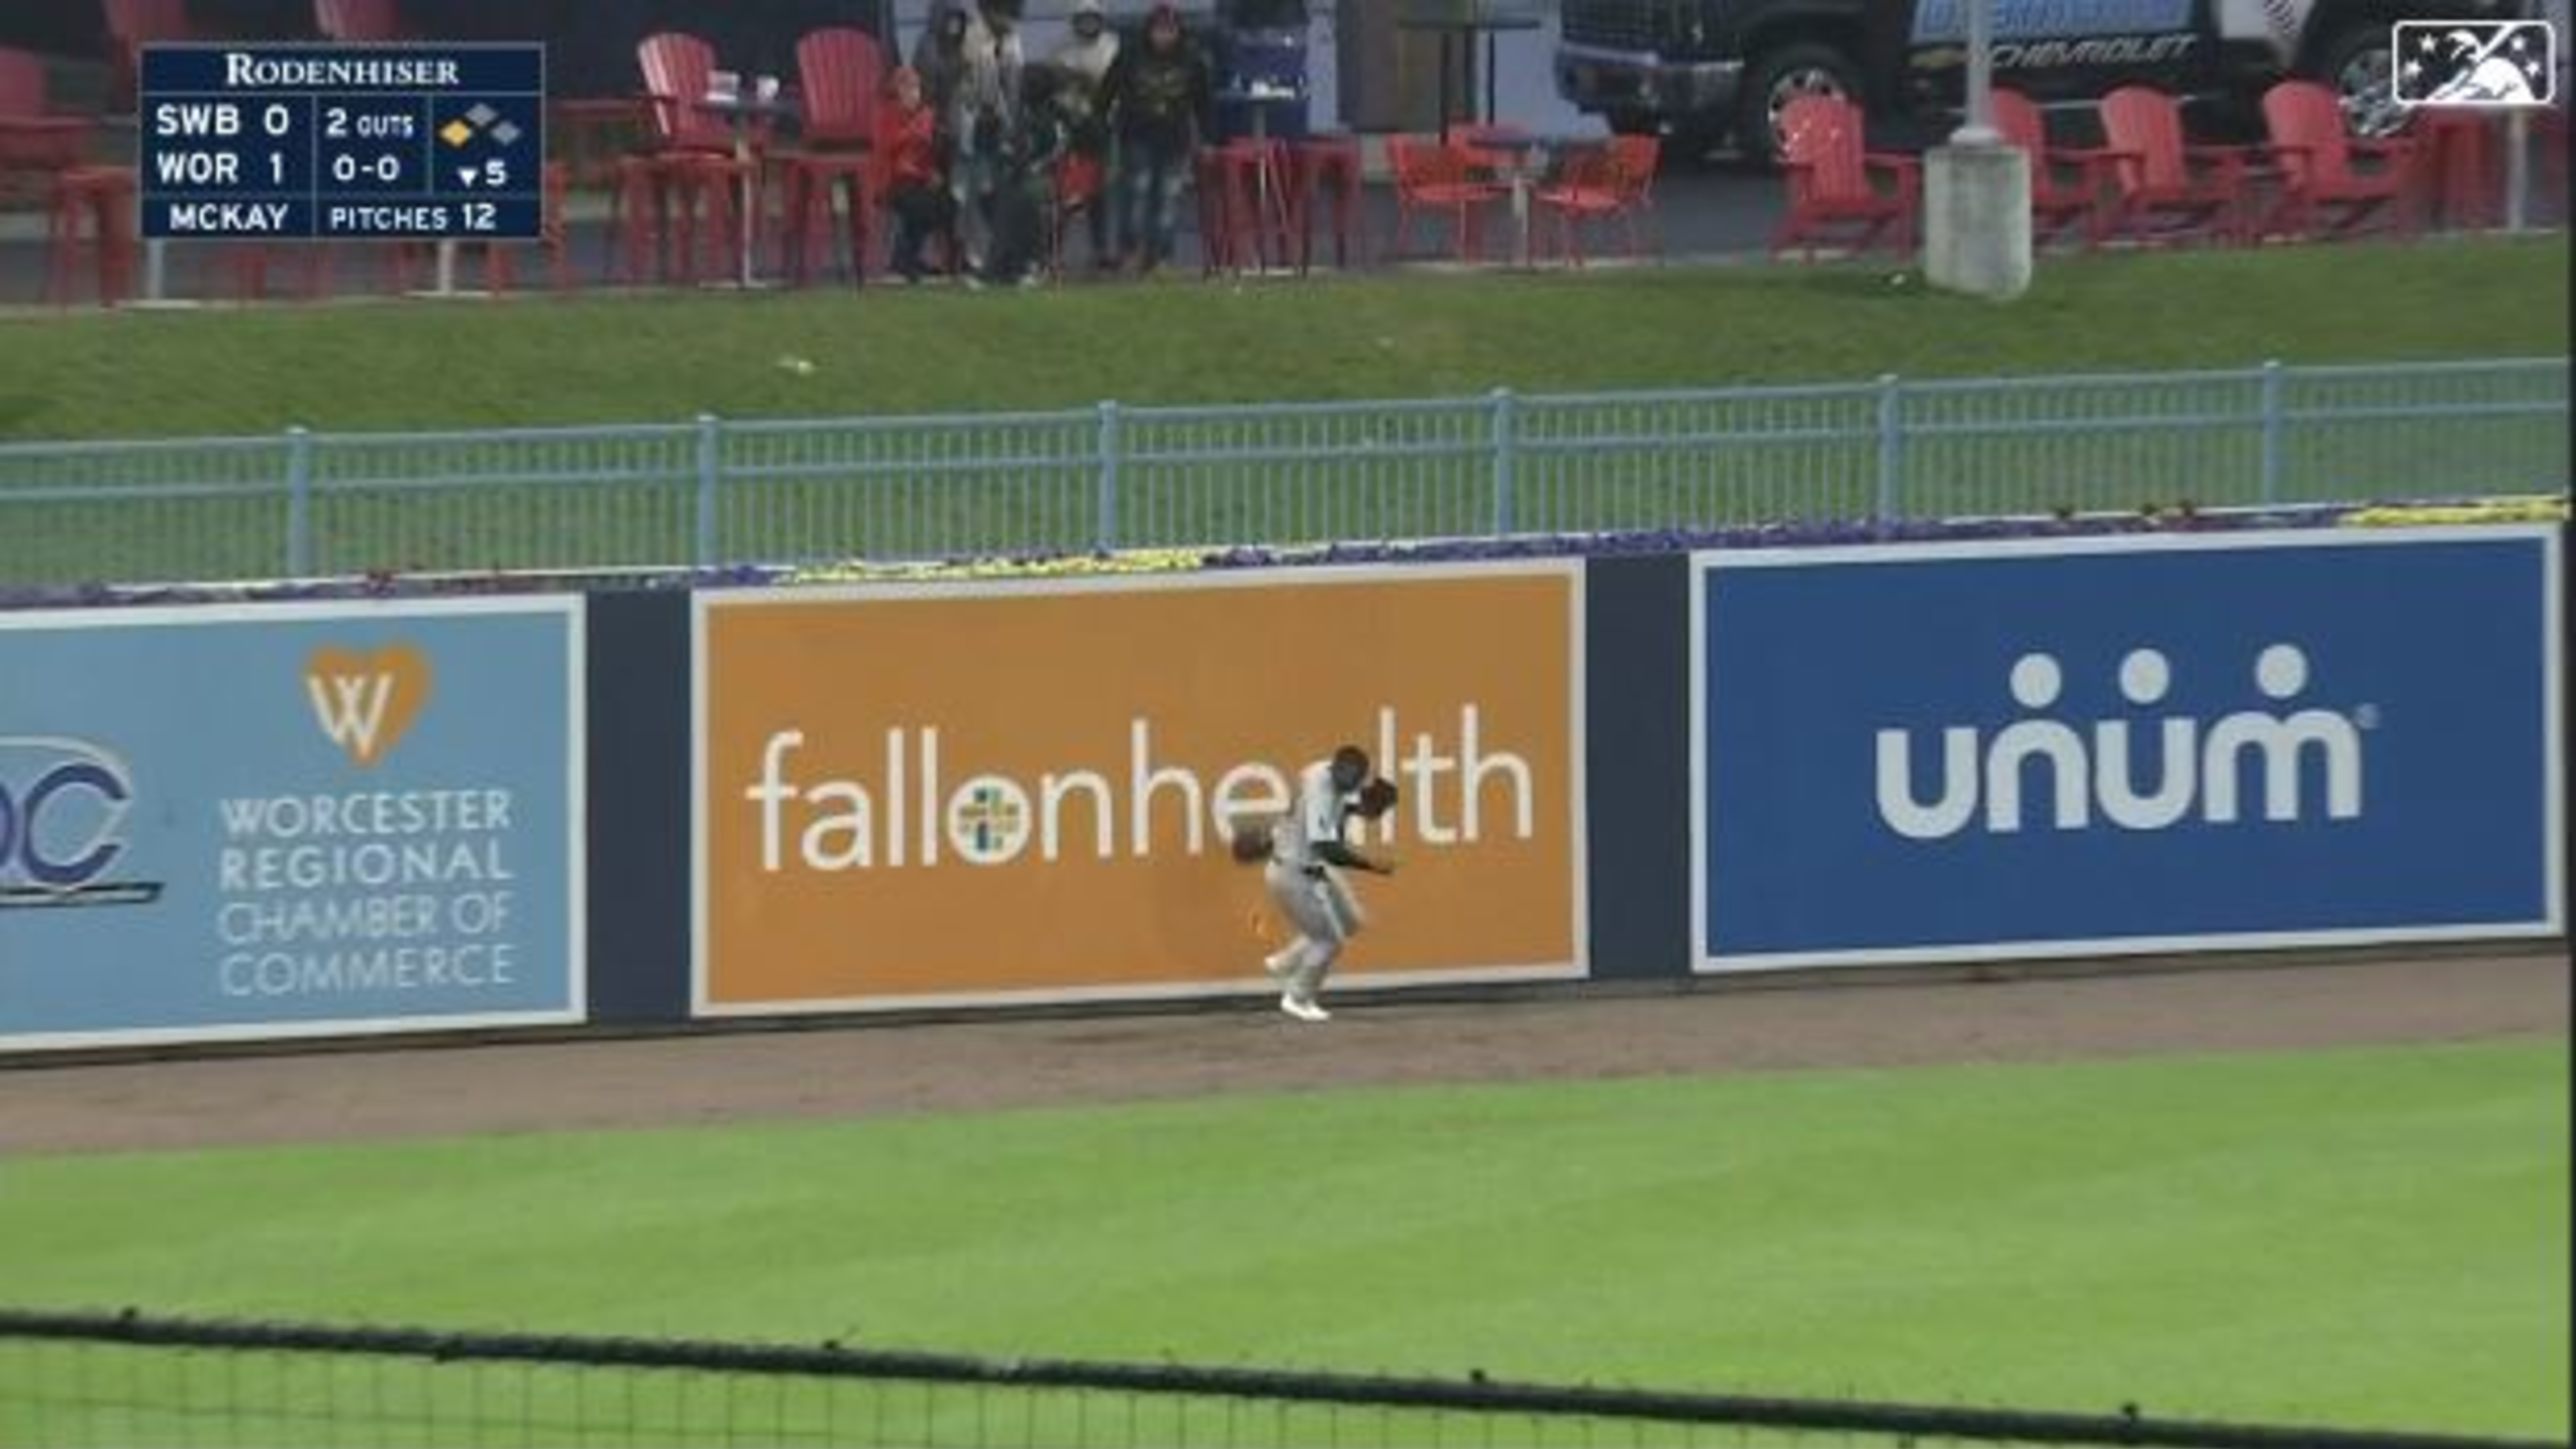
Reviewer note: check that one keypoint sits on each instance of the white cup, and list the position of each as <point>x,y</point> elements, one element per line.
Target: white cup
<point>766,89</point>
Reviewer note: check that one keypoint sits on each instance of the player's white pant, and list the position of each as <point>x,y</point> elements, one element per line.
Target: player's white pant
<point>1324,913</point>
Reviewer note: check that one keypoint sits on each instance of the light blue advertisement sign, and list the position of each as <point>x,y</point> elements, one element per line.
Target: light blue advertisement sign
<point>292,820</point>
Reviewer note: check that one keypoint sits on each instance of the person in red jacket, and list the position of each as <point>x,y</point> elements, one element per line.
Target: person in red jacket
<point>915,180</point>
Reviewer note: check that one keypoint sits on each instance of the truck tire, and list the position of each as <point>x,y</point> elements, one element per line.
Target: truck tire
<point>2357,65</point>
<point>1780,76</point>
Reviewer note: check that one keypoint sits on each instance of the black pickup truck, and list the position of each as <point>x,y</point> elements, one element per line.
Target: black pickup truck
<point>1706,71</point>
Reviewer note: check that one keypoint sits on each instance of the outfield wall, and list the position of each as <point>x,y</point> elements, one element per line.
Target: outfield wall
<point>267,821</point>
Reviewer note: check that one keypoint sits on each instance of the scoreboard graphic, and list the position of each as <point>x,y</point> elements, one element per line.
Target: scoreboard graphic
<point>328,142</point>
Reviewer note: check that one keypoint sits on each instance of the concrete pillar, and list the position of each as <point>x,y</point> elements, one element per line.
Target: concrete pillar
<point>1976,222</point>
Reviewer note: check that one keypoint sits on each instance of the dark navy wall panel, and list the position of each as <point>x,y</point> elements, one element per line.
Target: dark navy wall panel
<point>639,807</point>
<point>1637,758</point>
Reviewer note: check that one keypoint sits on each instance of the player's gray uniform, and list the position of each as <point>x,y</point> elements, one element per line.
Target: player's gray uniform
<point>1309,893</point>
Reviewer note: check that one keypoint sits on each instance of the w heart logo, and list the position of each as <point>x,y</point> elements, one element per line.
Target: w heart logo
<point>366,702</point>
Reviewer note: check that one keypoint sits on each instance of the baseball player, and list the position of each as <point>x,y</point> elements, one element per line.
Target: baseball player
<point>1307,856</point>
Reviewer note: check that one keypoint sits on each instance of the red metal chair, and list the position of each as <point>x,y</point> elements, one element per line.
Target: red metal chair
<point>1585,188</point>
<point>840,72</point>
<point>1431,177</point>
<point>131,25</point>
<point>1640,160</point>
<point>1841,193</point>
<point>2065,185</point>
<point>2163,190</point>
<point>1599,183</point>
<point>362,22</point>
<point>2322,192</point>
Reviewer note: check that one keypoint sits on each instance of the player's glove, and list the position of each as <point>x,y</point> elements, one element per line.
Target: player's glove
<point>1252,841</point>
<point>1377,797</point>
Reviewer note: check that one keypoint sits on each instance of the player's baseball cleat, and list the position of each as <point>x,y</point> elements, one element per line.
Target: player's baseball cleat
<point>1303,1010</point>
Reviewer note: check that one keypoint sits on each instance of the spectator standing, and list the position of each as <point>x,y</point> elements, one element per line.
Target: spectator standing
<point>940,59</point>
<point>1082,65</point>
<point>1159,99</point>
<point>1024,193</point>
<point>985,119</point>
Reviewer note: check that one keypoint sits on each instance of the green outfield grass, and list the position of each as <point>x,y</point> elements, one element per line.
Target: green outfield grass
<point>965,491</point>
<point>2370,1237</point>
<point>669,358</point>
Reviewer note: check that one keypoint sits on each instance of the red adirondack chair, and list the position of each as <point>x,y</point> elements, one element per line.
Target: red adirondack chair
<point>1836,195</point>
<point>676,69</point>
<point>1431,177</point>
<point>693,166</point>
<point>22,84</point>
<point>362,22</point>
<point>2322,192</point>
<point>89,208</point>
<point>2065,185</point>
<point>2163,190</point>
<point>839,73</point>
<point>131,25</point>
<point>33,139</point>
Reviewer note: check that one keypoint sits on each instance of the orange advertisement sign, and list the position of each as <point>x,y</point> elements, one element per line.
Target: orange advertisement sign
<point>942,794</point>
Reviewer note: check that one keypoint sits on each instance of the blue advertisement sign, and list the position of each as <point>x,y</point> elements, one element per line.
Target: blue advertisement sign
<point>289,820</point>
<point>2123,745</point>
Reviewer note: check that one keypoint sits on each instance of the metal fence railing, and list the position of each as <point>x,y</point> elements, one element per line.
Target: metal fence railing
<point>715,492</point>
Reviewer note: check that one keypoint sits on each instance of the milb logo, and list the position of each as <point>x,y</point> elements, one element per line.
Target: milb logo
<point>2486,64</point>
